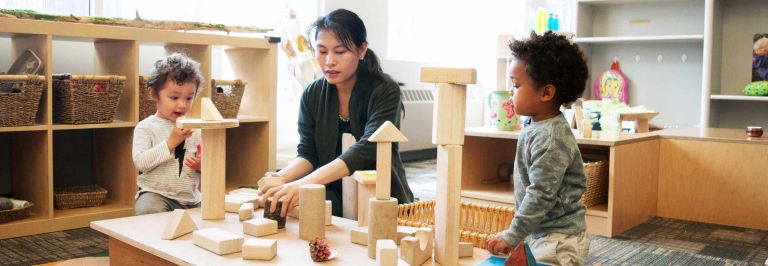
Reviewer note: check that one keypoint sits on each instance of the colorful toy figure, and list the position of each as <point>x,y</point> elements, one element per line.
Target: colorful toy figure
<point>612,85</point>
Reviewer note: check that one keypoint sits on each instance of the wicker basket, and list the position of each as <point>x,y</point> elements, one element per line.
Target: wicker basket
<point>15,214</point>
<point>597,183</point>
<point>20,108</point>
<point>478,222</point>
<point>147,105</point>
<point>77,197</point>
<point>226,95</point>
<point>86,99</point>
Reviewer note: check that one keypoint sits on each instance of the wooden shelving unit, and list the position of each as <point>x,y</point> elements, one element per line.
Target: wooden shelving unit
<point>47,154</point>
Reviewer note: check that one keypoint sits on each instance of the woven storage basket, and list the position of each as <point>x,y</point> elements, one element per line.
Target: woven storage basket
<point>226,95</point>
<point>77,197</point>
<point>597,183</point>
<point>147,105</point>
<point>86,99</point>
<point>478,222</point>
<point>20,108</point>
<point>15,214</point>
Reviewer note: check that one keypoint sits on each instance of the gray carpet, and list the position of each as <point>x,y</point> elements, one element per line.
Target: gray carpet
<point>660,241</point>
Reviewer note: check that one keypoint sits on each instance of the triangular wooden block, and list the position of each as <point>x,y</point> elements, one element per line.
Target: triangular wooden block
<point>181,224</point>
<point>387,132</point>
<point>209,111</point>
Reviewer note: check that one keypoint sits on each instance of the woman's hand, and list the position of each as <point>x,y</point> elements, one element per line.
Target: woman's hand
<point>289,193</point>
<point>497,246</point>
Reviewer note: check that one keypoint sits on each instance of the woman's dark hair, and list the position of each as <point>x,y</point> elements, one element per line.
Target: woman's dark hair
<point>350,30</point>
<point>552,59</point>
<point>178,67</point>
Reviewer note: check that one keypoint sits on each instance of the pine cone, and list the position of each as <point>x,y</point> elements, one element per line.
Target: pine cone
<point>318,250</point>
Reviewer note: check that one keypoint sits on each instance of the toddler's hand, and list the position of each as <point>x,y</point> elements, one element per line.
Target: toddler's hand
<point>192,162</point>
<point>497,246</point>
<point>177,136</point>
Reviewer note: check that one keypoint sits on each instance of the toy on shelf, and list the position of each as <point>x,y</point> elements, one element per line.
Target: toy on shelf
<point>612,84</point>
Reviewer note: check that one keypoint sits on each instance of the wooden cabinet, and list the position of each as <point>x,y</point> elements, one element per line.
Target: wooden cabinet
<point>47,155</point>
<point>632,174</point>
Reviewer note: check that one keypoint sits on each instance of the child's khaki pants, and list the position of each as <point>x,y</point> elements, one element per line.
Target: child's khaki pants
<point>560,249</point>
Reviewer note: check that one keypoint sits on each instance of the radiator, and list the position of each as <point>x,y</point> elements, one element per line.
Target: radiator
<point>416,125</point>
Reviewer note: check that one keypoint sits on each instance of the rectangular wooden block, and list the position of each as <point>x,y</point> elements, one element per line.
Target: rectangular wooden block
<point>448,115</point>
<point>466,249</point>
<point>449,75</point>
<point>364,192</point>
<point>259,249</point>
<point>218,240</point>
<point>386,252</point>
<point>359,235</point>
<point>349,190</point>
<point>246,211</point>
<point>232,202</point>
<point>448,204</point>
<point>212,177</point>
<point>260,227</point>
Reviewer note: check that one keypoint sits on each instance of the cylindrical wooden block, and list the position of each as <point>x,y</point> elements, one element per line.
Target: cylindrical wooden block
<point>312,218</point>
<point>213,173</point>
<point>382,222</point>
<point>383,170</point>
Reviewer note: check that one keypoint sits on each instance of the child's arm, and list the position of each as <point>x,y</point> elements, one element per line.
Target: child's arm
<point>146,156</point>
<point>549,160</point>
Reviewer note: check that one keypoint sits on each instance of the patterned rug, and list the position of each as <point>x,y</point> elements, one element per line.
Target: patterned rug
<point>51,247</point>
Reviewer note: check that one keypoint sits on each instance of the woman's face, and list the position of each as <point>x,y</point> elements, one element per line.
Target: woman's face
<point>338,63</point>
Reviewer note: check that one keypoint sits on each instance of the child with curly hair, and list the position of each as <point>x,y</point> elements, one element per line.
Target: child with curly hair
<point>549,174</point>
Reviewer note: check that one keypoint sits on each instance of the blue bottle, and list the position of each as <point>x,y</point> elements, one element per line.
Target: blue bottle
<point>553,23</point>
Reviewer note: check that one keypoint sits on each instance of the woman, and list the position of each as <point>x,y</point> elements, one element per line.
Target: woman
<point>353,96</point>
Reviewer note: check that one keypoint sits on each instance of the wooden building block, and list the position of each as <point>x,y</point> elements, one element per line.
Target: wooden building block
<point>296,212</point>
<point>447,204</point>
<point>218,240</point>
<point>449,75</point>
<point>213,175</point>
<point>366,188</point>
<point>180,224</point>
<point>348,185</point>
<point>586,130</point>
<point>260,227</point>
<point>246,211</point>
<point>387,132</point>
<point>232,202</point>
<point>276,214</point>
<point>448,114</point>
<point>466,249</point>
<point>386,252</point>
<point>384,136</point>
<point>382,215</point>
<point>415,250</point>
<point>312,199</point>
<point>259,249</point>
<point>383,170</point>
<point>209,111</point>
<point>359,235</point>
<point>268,182</point>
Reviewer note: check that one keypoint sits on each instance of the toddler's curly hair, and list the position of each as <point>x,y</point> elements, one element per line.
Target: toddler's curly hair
<point>552,59</point>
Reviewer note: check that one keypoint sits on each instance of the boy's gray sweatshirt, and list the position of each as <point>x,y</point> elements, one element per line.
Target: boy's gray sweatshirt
<point>549,180</point>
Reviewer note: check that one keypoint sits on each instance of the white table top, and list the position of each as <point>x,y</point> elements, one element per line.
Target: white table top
<point>144,232</point>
